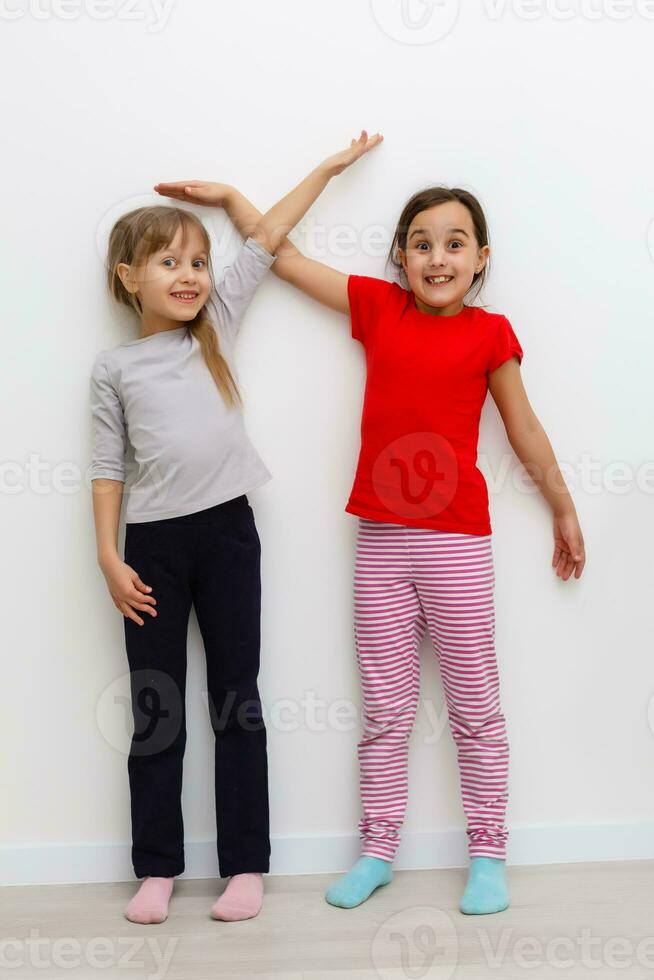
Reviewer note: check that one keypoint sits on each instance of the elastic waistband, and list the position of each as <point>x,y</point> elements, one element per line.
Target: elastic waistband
<point>209,515</point>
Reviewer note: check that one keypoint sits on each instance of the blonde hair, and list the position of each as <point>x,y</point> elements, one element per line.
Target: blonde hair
<point>133,239</point>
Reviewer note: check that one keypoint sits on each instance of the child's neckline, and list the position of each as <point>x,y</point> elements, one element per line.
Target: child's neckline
<point>151,336</point>
<point>448,318</point>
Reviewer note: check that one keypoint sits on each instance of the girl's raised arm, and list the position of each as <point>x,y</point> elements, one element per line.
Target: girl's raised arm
<point>323,283</point>
<point>320,281</point>
<point>278,221</point>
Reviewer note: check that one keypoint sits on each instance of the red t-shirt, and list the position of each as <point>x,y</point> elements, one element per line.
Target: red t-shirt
<point>427,378</point>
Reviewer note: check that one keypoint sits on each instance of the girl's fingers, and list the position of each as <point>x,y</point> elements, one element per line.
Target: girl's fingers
<point>174,194</point>
<point>138,603</point>
<point>372,142</point>
<point>565,559</point>
<point>569,566</point>
<point>178,183</point>
<point>178,188</point>
<point>127,612</point>
<point>142,588</point>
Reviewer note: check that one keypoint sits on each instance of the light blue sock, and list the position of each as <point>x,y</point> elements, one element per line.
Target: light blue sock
<point>486,890</point>
<point>360,882</point>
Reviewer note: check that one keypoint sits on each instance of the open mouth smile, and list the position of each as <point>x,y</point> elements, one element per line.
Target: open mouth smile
<point>186,297</point>
<point>438,280</point>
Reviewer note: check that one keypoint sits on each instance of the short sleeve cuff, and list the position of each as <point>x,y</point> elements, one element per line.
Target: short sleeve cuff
<point>506,346</point>
<point>352,295</point>
<point>100,474</point>
<point>254,246</point>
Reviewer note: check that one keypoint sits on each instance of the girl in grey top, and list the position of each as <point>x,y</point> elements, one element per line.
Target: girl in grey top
<point>167,404</point>
<point>157,408</point>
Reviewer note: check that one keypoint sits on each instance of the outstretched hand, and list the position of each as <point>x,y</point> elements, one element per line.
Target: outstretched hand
<point>214,194</point>
<point>569,552</point>
<point>194,191</point>
<point>340,161</point>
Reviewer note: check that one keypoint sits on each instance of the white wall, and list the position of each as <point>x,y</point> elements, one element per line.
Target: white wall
<point>547,120</point>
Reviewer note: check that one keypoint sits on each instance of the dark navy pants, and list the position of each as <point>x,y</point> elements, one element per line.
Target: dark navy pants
<point>211,559</point>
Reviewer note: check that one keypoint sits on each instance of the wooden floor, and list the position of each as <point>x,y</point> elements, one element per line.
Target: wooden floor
<point>566,921</point>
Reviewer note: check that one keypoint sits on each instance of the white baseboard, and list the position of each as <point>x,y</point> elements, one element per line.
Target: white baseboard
<point>311,854</point>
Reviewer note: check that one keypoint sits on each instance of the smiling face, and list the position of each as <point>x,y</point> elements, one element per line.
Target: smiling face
<point>441,245</point>
<point>174,283</point>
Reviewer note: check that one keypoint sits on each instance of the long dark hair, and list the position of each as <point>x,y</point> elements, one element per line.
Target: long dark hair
<point>427,198</point>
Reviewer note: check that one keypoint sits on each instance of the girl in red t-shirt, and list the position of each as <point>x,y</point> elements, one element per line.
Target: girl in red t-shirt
<point>424,558</point>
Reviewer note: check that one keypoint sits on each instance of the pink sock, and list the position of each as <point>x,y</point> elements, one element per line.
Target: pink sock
<point>241,899</point>
<point>150,904</point>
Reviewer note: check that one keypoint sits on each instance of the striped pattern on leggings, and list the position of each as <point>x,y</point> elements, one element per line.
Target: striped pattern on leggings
<point>408,579</point>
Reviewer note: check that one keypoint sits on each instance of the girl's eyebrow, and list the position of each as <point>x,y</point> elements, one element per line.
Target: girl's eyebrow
<point>423,231</point>
<point>171,249</point>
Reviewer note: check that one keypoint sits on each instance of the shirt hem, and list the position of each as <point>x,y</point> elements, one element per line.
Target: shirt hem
<point>435,524</point>
<point>192,509</point>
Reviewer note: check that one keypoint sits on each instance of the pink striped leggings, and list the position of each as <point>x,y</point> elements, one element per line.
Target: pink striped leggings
<point>407,579</point>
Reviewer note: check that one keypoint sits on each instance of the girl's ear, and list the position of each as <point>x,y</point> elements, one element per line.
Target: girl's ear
<point>125,273</point>
<point>402,257</point>
<point>483,257</point>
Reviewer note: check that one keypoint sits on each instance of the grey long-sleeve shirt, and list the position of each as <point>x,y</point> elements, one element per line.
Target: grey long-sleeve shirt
<point>157,411</point>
